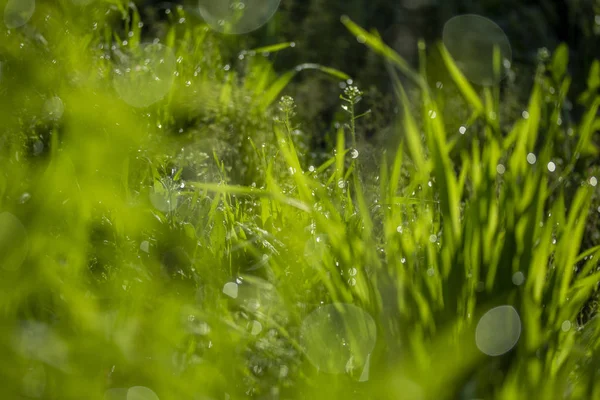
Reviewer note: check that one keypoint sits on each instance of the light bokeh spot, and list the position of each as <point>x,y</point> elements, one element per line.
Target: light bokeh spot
<point>145,74</point>
<point>335,335</point>
<point>141,393</point>
<point>18,12</point>
<point>34,381</point>
<point>38,341</point>
<point>518,278</point>
<point>237,16</point>
<point>315,250</point>
<point>116,394</point>
<point>14,243</point>
<point>471,40</point>
<point>163,200</point>
<point>231,289</point>
<point>498,330</point>
<point>54,108</point>
<point>256,328</point>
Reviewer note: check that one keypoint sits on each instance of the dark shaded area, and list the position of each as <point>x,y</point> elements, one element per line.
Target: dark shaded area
<point>320,37</point>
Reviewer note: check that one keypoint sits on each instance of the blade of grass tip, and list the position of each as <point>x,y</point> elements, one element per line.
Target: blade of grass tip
<point>498,76</point>
<point>396,170</point>
<point>273,48</point>
<point>585,130</point>
<point>490,107</point>
<point>533,116</point>
<point>422,47</point>
<point>275,89</point>
<point>461,82</point>
<point>587,253</point>
<point>323,167</point>
<point>377,45</point>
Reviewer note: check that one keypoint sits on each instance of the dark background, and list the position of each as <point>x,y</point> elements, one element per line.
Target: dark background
<point>320,37</point>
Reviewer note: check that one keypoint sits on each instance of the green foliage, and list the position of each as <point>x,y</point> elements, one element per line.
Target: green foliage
<point>190,249</point>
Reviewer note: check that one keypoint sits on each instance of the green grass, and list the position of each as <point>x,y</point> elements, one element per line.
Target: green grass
<point>192,247</point>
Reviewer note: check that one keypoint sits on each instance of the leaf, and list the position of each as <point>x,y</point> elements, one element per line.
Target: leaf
<point>560,61</point>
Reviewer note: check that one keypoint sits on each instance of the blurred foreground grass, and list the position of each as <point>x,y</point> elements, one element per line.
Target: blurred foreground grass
<point>165,233</point>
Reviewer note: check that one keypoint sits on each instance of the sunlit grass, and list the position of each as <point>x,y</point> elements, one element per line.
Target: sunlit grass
<point>177,243</point>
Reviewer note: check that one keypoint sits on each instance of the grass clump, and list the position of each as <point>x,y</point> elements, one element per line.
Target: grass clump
<point>190,249</point>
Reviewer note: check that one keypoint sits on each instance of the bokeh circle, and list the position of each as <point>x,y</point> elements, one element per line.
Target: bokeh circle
<point>144,75</point>
<point>498,330</point>
<point>471,40</point>
<point>237,16</point>
<point>337,335</point>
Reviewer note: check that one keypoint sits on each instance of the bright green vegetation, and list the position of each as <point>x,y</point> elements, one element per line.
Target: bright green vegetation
<point>188,246</point>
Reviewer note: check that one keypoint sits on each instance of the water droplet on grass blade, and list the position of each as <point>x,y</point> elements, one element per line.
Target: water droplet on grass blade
<point>498,330</point>
<point>237,17</point>
<point>333,334</point>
